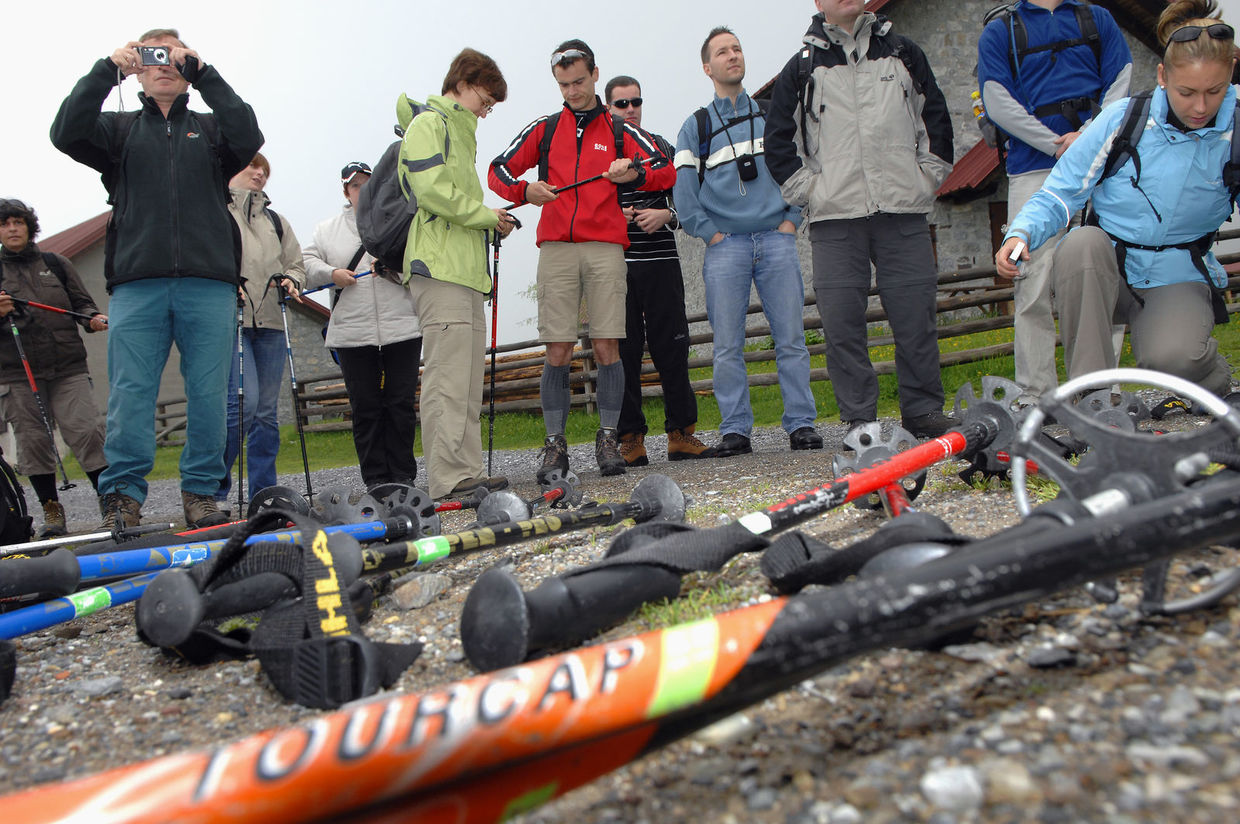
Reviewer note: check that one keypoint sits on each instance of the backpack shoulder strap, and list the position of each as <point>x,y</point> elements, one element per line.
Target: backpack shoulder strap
<point>702,117</point>
<point>1124,144</point>
<point>57,268</point>
<point>617,134</point>
<point>1231,169</point>
<point>897,46</point>
<point>544,145</point>
<point>276,222</point>
<point>1089,31</point>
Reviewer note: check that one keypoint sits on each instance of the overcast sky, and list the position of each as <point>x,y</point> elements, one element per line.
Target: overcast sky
<point>323,79</point>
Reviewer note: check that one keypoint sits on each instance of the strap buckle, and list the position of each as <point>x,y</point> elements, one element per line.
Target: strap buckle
<point>332,671</point>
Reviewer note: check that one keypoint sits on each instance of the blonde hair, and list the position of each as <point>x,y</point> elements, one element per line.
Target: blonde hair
<point>1192,13</point>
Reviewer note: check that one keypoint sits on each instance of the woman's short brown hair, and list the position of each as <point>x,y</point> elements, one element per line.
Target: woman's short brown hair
<point>476,69</point>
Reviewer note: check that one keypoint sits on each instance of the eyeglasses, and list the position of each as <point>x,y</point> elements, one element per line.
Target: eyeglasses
<point>625,102</point>
<point>1187,34</point>
<point>567,56</point>
<point>487,102</point>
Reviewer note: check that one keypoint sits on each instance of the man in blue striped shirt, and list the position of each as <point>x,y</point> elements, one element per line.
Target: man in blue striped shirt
<point>654,306</point>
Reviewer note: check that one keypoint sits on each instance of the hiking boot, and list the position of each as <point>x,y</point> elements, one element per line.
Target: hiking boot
<point>683,445</point>
<point>492,484</point>
<point>733,444</point>
<point>119,511</point>
<point>804,438</point>
<point>633,449</point>
<point>201,510</point>
<point>929,425</point>
<point>53,520</point>
<point>553,455</point>
<point>607,453</point>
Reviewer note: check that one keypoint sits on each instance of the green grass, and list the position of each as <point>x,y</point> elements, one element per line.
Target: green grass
<point>524,430</point>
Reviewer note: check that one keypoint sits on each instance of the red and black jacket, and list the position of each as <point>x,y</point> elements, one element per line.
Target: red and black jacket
<point>590,212</point>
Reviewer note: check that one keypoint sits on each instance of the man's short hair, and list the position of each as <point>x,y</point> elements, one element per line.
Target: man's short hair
<point>154,33</point>
<point>476,69</point>
<point>11,207</point>
<point>261,162</point>
<point>618,81</point>
<point>568,60</point>
<point>715,32</point>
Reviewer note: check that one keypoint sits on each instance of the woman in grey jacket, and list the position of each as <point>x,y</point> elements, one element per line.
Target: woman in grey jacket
<point>375,334</point>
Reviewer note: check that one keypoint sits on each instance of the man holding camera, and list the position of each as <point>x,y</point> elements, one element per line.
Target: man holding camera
<point>726,197</point>
<point>859,135</point>
<point>171,257</point>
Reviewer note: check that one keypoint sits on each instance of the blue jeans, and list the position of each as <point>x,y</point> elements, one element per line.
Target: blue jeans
<point>265,354</point>
<point>769,261</point>
<point>145,317</point>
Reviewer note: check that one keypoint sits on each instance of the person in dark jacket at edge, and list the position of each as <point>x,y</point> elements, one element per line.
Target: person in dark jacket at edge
<point>57,359</point>
<point>171,257</point>
<point>859,135</point>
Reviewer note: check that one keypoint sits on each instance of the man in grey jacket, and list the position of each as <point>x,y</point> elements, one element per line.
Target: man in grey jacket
<point>860,137</point>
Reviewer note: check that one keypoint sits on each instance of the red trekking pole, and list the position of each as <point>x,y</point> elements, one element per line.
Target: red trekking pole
<point>38,399</point>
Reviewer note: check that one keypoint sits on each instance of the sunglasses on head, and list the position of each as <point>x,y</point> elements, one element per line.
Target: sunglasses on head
<point>1187,34</point>
<point>566,56</point>
<point>625,102</point>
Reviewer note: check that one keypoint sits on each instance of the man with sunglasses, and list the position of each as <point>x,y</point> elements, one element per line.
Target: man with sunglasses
<point>172,257</point>
<point>1045,68</point>
<point>582,235</point>
<point>654,306</point>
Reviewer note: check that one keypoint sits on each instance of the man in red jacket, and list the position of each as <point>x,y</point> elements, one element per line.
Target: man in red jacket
<point>582,235</point>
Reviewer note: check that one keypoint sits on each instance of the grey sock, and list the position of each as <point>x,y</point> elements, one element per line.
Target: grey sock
<point>555,398</point>
<point>610,394</point>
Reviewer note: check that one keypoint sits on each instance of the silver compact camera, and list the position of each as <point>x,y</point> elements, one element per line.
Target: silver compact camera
<point>155,55</point>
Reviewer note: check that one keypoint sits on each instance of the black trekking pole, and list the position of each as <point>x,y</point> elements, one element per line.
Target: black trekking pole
<point>292,376</point>
<point>637,163</point>
<point>240,402</point>
<point>516,224</point>
<point>34,389</point>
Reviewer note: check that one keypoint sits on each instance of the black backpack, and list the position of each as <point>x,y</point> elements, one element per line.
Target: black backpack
<point>706,134</point>
<point>1018,50</point>
<point>384,209</point>
<point>16,525</point>
<point>544,145</point>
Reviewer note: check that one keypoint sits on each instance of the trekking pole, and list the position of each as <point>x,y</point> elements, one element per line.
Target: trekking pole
<point>520,737</point>
<point>638,162</point>
<point>56,309</point>
<point>240,401</point>
<point>358,276</point>
<point>38,399</point>
<point>117,535</point>
<point>292,376</point>
<point>144,564</point>
<point>516,224</point>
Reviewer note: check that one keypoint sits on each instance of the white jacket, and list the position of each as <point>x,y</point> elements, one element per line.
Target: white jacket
<point>371,312</point>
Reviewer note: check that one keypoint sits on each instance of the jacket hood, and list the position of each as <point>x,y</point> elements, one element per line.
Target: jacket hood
<point>819,33</point>
<point>406,110</point>
<point>29,252</point>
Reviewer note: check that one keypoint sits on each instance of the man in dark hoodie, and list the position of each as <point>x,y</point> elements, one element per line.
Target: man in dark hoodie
<point>171,257</point>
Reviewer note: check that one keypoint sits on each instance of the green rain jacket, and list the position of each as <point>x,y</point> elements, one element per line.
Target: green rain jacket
<point>438,165</point>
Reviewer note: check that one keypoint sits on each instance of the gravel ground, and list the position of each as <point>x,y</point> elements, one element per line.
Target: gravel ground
<point>1064,710</point>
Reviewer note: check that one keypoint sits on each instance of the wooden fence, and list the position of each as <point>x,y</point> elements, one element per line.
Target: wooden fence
<point>323,403</point>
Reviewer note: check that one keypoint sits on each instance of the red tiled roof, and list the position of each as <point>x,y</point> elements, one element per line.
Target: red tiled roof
<point>972,170</point>
<point>77,239</point>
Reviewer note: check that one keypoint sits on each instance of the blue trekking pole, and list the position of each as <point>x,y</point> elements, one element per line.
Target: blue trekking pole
<point>358,276</point>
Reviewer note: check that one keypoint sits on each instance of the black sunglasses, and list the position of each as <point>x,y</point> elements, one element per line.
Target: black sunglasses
<point>1187,34</point>
<point>625,102</point>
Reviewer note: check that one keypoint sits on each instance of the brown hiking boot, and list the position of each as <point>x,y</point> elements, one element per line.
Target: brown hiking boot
<point>683,445</point>
<point>119,511</point>
<point>553,455</point>
<point>633,449</point>
<point>53,520</point>
<point>201,510</point>
<point>607,453</point>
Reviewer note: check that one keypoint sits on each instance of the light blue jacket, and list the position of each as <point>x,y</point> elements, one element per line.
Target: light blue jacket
<point>1181,175</point>
<point>723,202</point>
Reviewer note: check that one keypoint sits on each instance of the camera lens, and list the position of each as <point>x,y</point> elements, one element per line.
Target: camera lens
<point>161,55</point>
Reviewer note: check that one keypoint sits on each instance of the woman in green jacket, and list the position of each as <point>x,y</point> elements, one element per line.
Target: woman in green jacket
<point>446,265</point>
